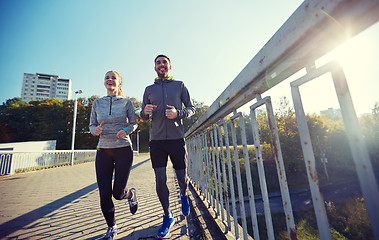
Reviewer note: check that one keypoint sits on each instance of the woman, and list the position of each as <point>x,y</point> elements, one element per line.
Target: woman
<point>109,118</point>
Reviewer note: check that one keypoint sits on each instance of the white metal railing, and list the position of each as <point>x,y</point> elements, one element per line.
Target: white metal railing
<point>13,162</point>
<point>313,30</point>
<point>358,148</point>
<point>18,161</point>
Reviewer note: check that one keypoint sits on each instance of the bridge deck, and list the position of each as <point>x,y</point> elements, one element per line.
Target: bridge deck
<point>63,203</point>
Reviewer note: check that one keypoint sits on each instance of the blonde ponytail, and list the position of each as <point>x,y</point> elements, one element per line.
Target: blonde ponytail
<point>121,93</point>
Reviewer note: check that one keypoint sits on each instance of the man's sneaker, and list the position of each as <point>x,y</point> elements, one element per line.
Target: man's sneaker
<point>167,224</point>
<point>133,204</point>
<point>111,233</point>
<point>185,205</point>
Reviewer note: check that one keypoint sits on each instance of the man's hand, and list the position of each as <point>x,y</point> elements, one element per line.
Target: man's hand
<point>99,129</point>
<point>149,109</point>
<point>171,112</point>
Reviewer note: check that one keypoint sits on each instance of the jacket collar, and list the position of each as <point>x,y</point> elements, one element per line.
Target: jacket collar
<point>113,97</point>
<point>160,81</point>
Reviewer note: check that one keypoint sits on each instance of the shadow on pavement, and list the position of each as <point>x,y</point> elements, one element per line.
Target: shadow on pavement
<point>24,220</point>
<point>15,224</point>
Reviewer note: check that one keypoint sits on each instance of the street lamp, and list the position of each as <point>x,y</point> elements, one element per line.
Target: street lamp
<point>138,142</point>
<point>323,159</point>
<point>74,126</point>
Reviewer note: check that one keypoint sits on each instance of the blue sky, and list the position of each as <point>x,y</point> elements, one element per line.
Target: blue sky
<point>209,43</point>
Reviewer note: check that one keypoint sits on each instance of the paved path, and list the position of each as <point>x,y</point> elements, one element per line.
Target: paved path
<point>63,203</point>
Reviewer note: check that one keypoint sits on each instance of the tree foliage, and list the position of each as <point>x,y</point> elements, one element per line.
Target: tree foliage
<point>48,119</point>
<point>52,119</point>
<point>328,138</point>
<point>200,109</point>
<point>370,130</point>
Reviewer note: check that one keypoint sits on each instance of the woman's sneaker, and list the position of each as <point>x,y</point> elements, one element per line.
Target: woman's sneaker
<point>167,224</point>
<point>111,233</point>
<point>185,205</point>
<point>133,203</point>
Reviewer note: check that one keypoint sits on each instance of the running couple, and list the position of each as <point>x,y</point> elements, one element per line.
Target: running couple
<point>162,103</point>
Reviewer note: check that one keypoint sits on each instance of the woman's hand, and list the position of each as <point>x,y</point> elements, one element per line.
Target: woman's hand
<point>99,129</point>
<point>121,134</point>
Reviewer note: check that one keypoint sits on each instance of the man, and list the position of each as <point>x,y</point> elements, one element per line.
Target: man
<point>163,102</point>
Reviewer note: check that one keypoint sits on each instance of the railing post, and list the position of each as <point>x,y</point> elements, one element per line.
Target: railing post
<point>201,162</point>
<point>218,162</point>
<point>286,200</point>
<point>231,181</point>
<point>216,200</point>
<point>310,163</point>
<point>208,170</point>
<point>225,192</point>
<point>238,175</point>
<point>250,188</point>
<point>358,149</point>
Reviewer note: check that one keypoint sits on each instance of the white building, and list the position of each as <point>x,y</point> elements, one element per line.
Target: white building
<point>39,86</point>
<point>332,114</point>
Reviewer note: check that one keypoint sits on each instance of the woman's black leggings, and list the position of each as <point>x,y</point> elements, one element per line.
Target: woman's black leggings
<point>120,160</point>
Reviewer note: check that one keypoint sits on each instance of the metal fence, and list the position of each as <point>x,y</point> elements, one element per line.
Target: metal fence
<point>313,30</point>
<point>17,161</point>
<point>14,162</point>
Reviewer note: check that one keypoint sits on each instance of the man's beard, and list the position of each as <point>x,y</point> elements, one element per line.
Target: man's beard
<point>163,75</point>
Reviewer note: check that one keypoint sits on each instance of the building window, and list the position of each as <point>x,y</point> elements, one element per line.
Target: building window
<point>44,82</point>
<point>42,86</point>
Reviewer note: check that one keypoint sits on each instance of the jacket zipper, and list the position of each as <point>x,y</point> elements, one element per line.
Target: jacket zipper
<point>110,107</point>
<point>164,106</point>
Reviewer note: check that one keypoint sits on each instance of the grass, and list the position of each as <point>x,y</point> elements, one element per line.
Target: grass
<point>36,168</point>
<point>347,220</point>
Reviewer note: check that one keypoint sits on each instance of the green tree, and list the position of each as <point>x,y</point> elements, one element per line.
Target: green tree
<point>48,119</point>
<point>84,139</point>
<point>51,121</point>
<point>143,127</point>
<point>370,129</point>
<point>200,109</point>
<point>17,119</point>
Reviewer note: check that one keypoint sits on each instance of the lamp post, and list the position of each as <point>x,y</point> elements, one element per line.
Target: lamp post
<point>74,127</point>
<point>138,142</point>
<point>323,159</point>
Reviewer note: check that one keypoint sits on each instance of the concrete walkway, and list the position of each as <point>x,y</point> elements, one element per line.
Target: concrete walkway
<point>63,203</point>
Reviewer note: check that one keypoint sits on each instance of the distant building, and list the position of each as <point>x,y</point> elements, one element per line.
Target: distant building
<point>39,86</point>
<point>332,114</point>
